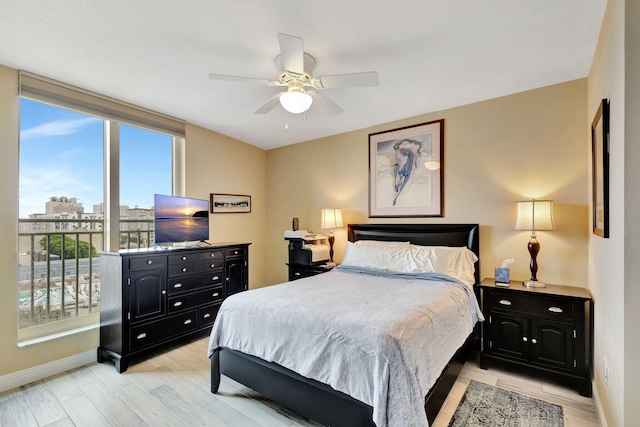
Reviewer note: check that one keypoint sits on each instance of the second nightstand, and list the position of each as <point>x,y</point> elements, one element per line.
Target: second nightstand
<point>298,271</point>
<point>541,330</point>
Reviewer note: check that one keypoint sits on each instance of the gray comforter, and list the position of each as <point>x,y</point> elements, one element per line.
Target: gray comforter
<point>382,338</point>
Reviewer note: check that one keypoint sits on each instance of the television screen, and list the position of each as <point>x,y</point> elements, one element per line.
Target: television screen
<point>180,219</point>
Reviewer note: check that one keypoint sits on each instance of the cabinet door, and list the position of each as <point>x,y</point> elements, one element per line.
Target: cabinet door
<point>552,344</point>
<point>510,336</point>
<point>235,270</point>
<point>147,291</point>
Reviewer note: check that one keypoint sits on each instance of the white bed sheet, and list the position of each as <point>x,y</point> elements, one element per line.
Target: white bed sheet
<point>382,340</point>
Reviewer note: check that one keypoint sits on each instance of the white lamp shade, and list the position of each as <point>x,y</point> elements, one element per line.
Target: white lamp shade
<point>534,215</point>
<point>331,218</point>
<point>296,100</point>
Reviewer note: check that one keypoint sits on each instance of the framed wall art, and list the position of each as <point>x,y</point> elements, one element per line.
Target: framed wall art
<point>406,171</point>
<point>600,169</point>
<point>230,203</point>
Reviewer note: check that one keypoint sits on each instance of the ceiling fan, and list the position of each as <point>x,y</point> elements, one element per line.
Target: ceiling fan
<point>296,74</point>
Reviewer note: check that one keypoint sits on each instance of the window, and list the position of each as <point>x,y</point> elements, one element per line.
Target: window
<point>68,150</point>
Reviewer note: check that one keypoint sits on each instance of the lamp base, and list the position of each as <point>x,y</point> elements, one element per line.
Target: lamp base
<point>534,284</point>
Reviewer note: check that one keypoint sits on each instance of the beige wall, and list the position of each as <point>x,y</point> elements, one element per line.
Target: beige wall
<point>214,163</point>
<point>607,256</point>
<point>528,145</point>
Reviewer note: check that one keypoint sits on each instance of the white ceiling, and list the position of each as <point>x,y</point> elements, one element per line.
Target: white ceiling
<point>430,54</point>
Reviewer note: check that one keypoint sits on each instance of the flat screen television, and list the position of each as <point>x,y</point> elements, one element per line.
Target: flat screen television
<point>180,219</point>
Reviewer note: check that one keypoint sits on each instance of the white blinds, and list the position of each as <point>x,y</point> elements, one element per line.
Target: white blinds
<point>61,94</point>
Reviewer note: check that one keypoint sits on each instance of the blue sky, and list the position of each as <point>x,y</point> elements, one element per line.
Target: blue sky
<point>61,154</point>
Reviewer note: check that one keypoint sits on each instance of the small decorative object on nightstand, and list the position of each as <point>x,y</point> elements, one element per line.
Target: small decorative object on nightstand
<point>539,330</point>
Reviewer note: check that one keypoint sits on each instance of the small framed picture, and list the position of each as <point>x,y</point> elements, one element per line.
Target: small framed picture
<point>230,203</point>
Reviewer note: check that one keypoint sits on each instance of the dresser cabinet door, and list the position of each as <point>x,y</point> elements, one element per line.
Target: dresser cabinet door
<point>235,274</point>
<point>147,291</point>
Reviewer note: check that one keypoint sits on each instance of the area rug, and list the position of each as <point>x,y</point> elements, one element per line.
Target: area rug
<point>486,405</point>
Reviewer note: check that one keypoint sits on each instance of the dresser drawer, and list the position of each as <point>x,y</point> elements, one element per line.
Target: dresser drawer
<point>162,330</point>
<point>235,252</point>
<point>211,264</point>
<point>207,315</point>
<point>212,255</point>
<point>194,299</point>
<point>182,258</point>
<point>532,305</point>
<point>192,282</point>
<point>183,268</point>
<point>143,263</point>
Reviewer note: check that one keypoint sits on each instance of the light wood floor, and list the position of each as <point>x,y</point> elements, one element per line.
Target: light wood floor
<point>173,389</point>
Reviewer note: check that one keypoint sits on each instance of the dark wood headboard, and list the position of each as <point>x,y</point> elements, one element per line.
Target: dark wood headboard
<point>422,234</point>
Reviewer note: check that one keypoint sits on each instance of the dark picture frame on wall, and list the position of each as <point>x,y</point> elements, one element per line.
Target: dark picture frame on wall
<point>406,171</point>
<point>600,169</point>
<point>230,203</point>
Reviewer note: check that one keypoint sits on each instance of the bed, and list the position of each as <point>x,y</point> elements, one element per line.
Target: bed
<point>359,375</point>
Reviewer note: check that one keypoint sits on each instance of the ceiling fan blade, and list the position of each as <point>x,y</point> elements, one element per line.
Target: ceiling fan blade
<point>369,78</point>
<point>292,49</point>
<point>269,105</point>
<point>239,79</point>
<point>325,104</point>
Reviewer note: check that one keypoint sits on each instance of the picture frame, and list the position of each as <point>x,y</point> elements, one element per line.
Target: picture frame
<point>600,169</point>
<point>406,171</point>
<point>229,203</point>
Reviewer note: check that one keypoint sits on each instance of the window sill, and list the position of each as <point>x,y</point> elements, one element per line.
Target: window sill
<point>52,337</point>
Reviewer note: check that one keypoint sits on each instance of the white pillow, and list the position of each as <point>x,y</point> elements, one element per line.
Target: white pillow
<point>382,243</point>
<point>456,262</point>
<point>390,258</point>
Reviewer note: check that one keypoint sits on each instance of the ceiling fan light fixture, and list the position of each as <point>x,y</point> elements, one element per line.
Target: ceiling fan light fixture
<point>296,100</point>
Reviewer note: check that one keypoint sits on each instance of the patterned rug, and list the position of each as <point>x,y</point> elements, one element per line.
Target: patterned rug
<point>485,405</point>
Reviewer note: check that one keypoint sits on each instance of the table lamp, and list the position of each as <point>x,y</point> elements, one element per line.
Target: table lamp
<point>534,215</point>
<point>331,218</point>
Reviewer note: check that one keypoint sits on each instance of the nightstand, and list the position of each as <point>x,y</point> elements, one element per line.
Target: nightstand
<point>298,271</point>
<point>543,331</point>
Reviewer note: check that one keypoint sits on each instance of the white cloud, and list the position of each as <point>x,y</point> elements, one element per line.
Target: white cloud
<point>57,128</point>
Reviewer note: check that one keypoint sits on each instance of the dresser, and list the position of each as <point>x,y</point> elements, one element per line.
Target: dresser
<point>153,298</point>
<point>543,331</point>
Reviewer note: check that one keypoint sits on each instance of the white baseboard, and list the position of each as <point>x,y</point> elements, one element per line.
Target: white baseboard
<point>598,403</point>
<point>26,376</point>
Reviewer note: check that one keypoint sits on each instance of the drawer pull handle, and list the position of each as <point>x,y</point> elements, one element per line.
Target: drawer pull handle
<point>184,269</point>
<point>235,252</point>
<point>142,336</point>
<point>164,292</point>
<point>187,322</point>
<point>533,340</point>
<point>524,339</point>
<point>177,285</point>
<point>207,315</point>
<point>556,310</point>
<point>213,266</point>
<point>216,294</point>
<point>184,258</point>
<point>215,278</point>
<point>177,303</point>
<point>296,273</point>
<point>505,302</point>
<point>149,262</point>
<point>212,255</point>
